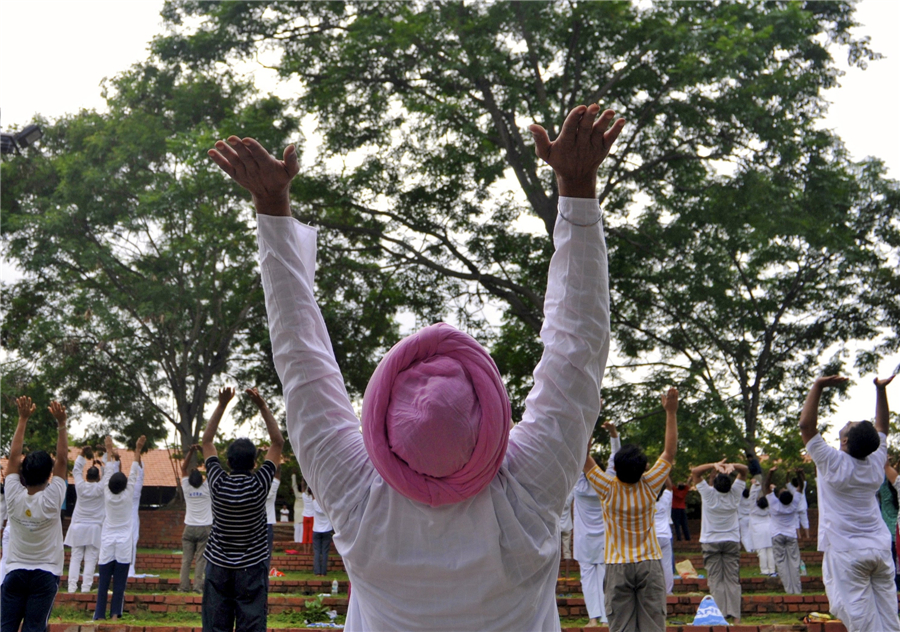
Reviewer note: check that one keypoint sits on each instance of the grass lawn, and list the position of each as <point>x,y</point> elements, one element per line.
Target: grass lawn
<point>140,617</point>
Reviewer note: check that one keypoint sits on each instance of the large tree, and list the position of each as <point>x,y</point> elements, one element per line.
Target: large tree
<point>139,289</point>
<point>736,262</point>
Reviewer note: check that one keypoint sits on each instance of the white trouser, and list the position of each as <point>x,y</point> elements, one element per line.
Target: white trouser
<point>666,545</point>
<point>89,554</point>
<point>592,587</point>
<point>766,560</point>
<point>136,528</point>
<point>860,588</point>
<point>298,532</point>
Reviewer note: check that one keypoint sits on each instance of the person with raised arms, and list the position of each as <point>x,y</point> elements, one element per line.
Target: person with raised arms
<point>86,525</point>
<point>35,488</point>
<point>197,523</point>
<point>445,517</point>
<point>857,568</point>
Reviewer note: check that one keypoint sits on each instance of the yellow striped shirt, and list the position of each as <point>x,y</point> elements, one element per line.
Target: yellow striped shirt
<point>628,511</point>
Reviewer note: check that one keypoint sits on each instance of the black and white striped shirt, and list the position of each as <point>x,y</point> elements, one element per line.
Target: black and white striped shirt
<point>238,538</point>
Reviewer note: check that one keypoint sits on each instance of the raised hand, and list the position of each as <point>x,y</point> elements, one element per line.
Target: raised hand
<point>882,383</point>
<point>610,427</point>
<point>26,407</point>
<point>829,381</point>
<point>582,144</point>
<point>139,446</point>
<point>225,395</point>
<point>251,166</point>
<point>59,413</point>
<point>670,400</point>
<point>87,452</point>
<point>256,398</point>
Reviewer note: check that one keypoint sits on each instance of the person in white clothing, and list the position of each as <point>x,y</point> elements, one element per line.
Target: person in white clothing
<point>783,508</point>
<point>197,523</point>
<point>744,518</point>
<point>136,515</point>
<point>857,568</point>
<point>299,507</point>
<point>4,539</point>
<point>322,534</point>
<point>664,533</point>
<point>270,515</point>
<point>35,488</point>
<point>797,486</point>
<point>404,511</point>
<point>590,538</point>
<point>309,518</point>
<point>565,531</point>
<point>116,540</point>
<point>720,532</point>
<point>760,530</point>
<point>83,535</point>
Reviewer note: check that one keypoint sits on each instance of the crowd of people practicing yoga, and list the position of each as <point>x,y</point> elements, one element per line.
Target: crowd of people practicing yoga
<point>449,516</point>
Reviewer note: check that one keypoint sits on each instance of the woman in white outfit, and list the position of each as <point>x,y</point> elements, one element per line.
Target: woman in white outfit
<point>298,510</point>
<point>116,541</point>
<point>135,514</point>
<point>664,533</point>
<point>761,530</point>
<point>84,531</point>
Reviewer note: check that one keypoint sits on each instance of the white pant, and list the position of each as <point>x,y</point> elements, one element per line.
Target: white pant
<point>860,588</point>
<point>766,560</point>
<point>298,532</point>
<point>666,545</point>
<point>592,587</point>
<point>89,554</point>
<point>136,528</point>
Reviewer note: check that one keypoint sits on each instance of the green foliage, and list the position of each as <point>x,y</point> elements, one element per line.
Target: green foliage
<point>743,243</point>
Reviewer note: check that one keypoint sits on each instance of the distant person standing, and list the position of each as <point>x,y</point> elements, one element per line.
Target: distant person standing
<point>761,530</point>
<point>85,527</point>
<point>783,508</point>
<point>798,486</point>
<point>235,595</point>
<point>197,523</point>
<point>299,506</point>
<point>309,518</point>
<point>136,515</point>
<point>271,517</point>
<point>679,511</point>
<point>322,534</point>
<point>35,488</point>
<point>664,534</point>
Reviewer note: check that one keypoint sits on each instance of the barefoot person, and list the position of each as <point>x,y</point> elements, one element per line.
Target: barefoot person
<point>35,488</point>
<point>436,455</point>
<point>857,568</point>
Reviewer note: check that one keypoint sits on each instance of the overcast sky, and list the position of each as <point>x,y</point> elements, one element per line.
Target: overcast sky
<point>54,55</point>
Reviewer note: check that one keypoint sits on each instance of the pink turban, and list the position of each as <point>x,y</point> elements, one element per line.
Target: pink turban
<point>436,416</point>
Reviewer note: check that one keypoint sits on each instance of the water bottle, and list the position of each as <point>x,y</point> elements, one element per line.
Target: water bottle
<point>334,587</point>
<point>802,568</point>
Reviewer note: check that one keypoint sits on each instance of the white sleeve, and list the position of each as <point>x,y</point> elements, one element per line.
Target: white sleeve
<point>322,426</point>
<point>78,471</point>
<point>138,482</point>
<point>615,444</point>
<point>546,449</point>
<point>132,478</point>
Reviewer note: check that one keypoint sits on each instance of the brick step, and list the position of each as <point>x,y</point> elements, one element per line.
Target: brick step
<point>276,585</point>
<point>676,605</point>
<point>799,627</point>
<point>151,562</point>
<point>809,584</point>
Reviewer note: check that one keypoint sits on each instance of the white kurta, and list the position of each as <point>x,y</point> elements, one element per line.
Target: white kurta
<point>90,508</point>
<point>116,540</point>
<point>486,563</point>
<point>760,524</point>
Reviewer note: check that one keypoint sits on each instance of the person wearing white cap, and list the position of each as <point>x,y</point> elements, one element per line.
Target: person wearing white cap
<point>445,518</point>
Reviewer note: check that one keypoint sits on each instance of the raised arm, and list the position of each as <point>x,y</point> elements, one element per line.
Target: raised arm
<point>698,472</point>
<point>209,435</point>
<point>548,446</point>
<point>741,470</point>
<point>138,448</point>
<point>882,414</point>
<point>276,438</point>
<point>809,416</point>
<point>26,409</point>
<point>61,464</point>
<point>294,487</point>
<point>670,404</point>
<point>188,461</point>
<point>890,472</point>
<point>767,486</point>
<point>321,423</point>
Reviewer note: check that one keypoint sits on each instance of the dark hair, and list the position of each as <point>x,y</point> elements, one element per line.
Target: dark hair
<point>795,482</point>
<point>631,463</point>
<point>93,474</point>
<point>661,490</point>
<point>746,492</point>
<point>681,485</point>
<point>88,452</point>
<point>195,478</point>
<point>241,455</point>
<point>862,440</point>
<point>786,497</point>
<point>36,468</point>
<point>762,502</point>
<point>722,483</point>
<point>118,482</point>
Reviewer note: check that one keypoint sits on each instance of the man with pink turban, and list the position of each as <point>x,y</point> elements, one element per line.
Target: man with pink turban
<point>445,518</point>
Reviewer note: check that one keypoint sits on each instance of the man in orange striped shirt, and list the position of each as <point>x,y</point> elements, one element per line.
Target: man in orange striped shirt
<point>635,584</point>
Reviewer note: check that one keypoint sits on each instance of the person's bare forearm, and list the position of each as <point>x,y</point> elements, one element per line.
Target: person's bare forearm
<point>809,416</point>
<point>274,431</point>
<point>882,412</point>
<point>15,448</point>
<point>209,435</point>
<point>589,464</point>
<point>741,469</point>
<point>671,445</point>
<point>697,472</point>
<point>61,465</point>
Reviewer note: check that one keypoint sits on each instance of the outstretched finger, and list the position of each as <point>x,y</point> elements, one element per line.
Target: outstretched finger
<point>291,160</point>
<point>571,124</point>
<point>541,142</point>
<point>610,136</point>
<point>220,160</point>
<point>587,120</point>
<point>241,149</point>
<point>228,153</point>
<point>255,150</point>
